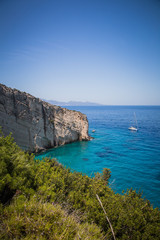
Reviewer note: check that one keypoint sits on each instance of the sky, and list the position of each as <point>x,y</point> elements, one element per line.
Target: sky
<point>104,51</point>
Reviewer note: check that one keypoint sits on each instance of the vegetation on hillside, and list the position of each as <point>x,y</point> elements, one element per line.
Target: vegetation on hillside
<point>44,200</point>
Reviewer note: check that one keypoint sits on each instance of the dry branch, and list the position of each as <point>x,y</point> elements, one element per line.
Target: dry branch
<point>106,216</point>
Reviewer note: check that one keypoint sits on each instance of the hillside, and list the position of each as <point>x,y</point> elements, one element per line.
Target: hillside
<point>44,200</point>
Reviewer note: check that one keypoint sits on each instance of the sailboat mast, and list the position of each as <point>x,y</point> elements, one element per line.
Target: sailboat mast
<point>136,120</point>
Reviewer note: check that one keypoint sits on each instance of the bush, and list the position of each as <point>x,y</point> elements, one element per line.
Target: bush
<point>16,169</point>
<point>38,220</point>
<point>52,185</point>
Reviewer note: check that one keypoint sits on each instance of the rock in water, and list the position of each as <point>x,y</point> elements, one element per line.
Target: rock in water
<point>37,125</point>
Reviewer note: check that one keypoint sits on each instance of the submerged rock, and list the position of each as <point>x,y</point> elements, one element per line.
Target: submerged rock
<point>37,125</point>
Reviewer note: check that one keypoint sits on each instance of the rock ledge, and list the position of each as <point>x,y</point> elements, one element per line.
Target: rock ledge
<point>37,125</point>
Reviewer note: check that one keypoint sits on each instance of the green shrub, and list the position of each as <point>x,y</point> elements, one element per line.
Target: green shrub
<point>16,169</point>
<point>25,219</point>
<point>52,185</point>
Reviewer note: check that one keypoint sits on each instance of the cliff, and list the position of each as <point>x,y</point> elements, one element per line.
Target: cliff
<point>38,125</point>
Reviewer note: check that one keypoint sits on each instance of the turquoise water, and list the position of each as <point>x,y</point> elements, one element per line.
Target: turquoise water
<point>133,157</point>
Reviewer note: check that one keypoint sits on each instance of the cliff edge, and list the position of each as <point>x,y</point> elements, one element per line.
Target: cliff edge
<point>36,124</point>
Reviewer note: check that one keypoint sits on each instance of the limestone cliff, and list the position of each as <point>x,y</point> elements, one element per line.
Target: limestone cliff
<point>36,124</point>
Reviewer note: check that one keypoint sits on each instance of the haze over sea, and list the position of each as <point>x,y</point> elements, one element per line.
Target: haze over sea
<point>133,157</point>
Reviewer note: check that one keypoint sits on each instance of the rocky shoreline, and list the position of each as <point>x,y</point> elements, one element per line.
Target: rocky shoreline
<point>37,125</point>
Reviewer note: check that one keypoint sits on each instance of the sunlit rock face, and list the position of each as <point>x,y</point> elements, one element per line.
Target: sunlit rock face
<point>37,125</point>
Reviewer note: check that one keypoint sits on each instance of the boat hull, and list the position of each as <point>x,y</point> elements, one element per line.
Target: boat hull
<point>133,129</point>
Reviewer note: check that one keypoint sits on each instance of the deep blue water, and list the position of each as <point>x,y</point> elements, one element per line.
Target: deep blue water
<point>133,157</point>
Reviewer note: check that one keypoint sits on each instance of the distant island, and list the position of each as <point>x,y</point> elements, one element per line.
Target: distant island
<point>72,103</point>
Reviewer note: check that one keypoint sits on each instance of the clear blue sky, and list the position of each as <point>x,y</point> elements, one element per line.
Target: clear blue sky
<point>104,51</point>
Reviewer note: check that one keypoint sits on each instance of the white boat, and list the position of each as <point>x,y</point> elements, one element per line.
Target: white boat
<point>134,128</point>
<point>93,130</point>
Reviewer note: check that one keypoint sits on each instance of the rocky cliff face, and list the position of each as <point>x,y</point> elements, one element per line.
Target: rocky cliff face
<point>37,125</point>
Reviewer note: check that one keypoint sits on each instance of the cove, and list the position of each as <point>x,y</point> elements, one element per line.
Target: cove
<point>133,157</point>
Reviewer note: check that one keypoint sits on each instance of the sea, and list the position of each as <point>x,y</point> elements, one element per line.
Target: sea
<point>132,156</point>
